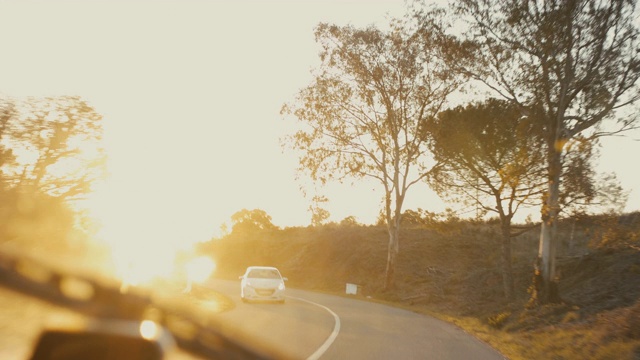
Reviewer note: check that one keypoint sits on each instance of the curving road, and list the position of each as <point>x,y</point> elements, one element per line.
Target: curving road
<point>319,326</point>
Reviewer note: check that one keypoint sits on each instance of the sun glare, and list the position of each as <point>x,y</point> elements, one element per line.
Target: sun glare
<point>135,258</point>
<point>146,240</point>
<point>137,266</point>
<point>200,268</point>
<point>149,330</point>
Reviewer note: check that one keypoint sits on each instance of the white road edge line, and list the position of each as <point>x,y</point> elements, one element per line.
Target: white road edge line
<point>336,329</point>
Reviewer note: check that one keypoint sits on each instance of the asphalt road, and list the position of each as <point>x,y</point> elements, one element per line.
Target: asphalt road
<point>319,326</point>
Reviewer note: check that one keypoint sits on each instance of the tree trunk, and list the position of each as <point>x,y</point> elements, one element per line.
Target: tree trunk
<point>547,290</point>
<point>392,255</point>
<point>572,236</point>
<point>507,272</point>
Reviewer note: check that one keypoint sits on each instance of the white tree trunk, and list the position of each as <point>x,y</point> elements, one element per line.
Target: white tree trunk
<point>548,240</point>
<point>392,255</point>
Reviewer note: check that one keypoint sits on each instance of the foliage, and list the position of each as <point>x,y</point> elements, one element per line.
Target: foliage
<point>349,221</point>
<point>318,214</point>
<point>251,221</point>
<point>447,222</point>
<point>57,145</point>
<point>575,60</point>
<point>498,320</point>
<point>490,154</point>
<point>365,109</point>
<point>613,233</point>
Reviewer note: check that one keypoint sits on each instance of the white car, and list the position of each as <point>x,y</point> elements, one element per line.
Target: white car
<point>262,283</point>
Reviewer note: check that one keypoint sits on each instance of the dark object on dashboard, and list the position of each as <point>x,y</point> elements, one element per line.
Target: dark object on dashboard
<point>105,340</point>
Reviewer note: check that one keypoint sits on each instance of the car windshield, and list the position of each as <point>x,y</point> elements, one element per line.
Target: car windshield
<point>187,165</point>
<point>263,274</point>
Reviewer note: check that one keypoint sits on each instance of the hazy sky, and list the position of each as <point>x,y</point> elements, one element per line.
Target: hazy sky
<point>191,92</point>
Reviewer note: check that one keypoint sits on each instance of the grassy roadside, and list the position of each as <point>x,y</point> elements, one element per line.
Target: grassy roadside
<point>591,340</point>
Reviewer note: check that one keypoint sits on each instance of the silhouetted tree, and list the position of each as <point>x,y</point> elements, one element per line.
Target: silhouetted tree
<point>491,157</point>
<point>251,221</point>
<point>349,221</point>
<point>412,218</point>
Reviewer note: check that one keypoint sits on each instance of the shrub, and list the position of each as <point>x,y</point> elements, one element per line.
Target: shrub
<point>571,316</point>
<point>497,321</point>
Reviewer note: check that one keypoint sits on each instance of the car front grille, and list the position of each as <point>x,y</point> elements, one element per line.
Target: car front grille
<point>265,292</point>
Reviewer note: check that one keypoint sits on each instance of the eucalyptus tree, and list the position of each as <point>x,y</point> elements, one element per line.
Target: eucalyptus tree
<point>363,115</point>
<point>491,158</point>
<point>572,64</point>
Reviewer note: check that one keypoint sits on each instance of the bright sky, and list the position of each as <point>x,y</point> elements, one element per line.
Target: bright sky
<point>191,92</point>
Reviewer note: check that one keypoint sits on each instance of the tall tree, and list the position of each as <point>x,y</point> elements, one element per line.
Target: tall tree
<point>573,64</point>
<point>492,158</point>
<point>364,113</point>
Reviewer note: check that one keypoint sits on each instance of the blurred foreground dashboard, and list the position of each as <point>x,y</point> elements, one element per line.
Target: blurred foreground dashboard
<point>46,314</point>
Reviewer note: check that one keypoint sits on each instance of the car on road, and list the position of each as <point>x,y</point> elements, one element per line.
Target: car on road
<point>262,283</point>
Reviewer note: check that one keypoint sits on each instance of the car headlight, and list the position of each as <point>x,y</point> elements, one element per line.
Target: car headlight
<point>281,286</point>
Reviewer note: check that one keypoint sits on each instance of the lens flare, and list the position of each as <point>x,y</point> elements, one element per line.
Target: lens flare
<point>149,330</point>
<point>200,269</point>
